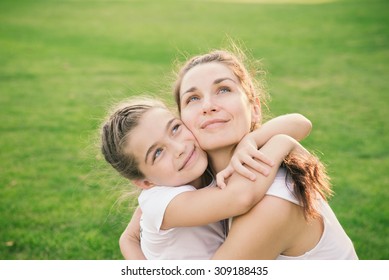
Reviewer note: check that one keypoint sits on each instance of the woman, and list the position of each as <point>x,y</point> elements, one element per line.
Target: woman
<point>219,103</point>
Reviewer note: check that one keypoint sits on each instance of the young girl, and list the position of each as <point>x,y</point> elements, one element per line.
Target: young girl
<point>147,144</point>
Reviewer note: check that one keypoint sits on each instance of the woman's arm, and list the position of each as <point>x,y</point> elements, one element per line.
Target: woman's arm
<point>264,232</point>
<point>129,241</point>
<point>268,229</point>
<point>209,205</point>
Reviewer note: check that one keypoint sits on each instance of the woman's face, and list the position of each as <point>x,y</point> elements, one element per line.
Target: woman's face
<point>166,151</point>
<point>214,106</point>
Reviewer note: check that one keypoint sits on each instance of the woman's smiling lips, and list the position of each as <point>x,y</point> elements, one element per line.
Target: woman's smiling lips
<point>213,123</point>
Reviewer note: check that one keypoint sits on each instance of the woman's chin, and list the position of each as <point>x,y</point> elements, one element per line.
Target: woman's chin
<point>217,144</point>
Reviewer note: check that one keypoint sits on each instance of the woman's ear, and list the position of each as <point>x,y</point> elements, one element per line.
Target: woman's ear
<point>256,113</point>
<point>144,184</point>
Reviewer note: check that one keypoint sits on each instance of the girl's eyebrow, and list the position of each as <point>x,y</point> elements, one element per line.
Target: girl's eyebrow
<point>152,147</point>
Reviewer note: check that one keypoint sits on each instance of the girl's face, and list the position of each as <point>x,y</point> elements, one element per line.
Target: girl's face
<point>166,151</point>
<point>214,106</point>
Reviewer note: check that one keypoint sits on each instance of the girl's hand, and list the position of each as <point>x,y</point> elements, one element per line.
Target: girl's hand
<point>246,156</point>
<point>223,175</point>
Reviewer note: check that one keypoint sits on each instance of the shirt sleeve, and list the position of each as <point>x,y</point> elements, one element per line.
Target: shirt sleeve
<point>154,202</point>
<point>282,187</point>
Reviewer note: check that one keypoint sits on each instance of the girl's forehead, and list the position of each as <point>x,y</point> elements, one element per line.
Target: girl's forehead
<point>153,127</point>
<point>158,115</point>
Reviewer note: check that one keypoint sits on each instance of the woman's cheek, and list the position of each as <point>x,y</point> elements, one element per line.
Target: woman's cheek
<point>189,121</point>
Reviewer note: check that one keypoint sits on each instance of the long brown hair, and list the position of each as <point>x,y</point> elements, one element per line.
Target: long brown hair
<point>307,172</point>
<point>310,180</point>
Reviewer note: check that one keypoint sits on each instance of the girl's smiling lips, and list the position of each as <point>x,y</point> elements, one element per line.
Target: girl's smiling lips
<point>188,158</point>
<point>212,123</point>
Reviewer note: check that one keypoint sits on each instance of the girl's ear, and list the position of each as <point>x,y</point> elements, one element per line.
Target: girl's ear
<point>256,114</point>
<point>144,184</point>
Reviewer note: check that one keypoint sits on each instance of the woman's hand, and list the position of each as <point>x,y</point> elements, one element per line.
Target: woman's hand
<point>129,241</point>
<point>246,156</point>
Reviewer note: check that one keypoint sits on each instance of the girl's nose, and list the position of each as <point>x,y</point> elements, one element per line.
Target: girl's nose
<point>178,148</point>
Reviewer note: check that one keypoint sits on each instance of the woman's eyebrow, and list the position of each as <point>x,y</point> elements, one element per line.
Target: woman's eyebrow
<point>218,81</point>
<point>152,147</point>
<point>192,89</point>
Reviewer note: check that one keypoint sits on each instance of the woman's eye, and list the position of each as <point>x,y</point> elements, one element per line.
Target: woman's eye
<point>224,90</point>
<point>191,99</point>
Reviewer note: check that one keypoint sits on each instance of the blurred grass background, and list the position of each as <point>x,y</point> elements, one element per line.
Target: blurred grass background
<point>63,63</point>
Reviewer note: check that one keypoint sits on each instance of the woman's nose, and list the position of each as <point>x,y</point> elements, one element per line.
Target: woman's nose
<point>208,105</point>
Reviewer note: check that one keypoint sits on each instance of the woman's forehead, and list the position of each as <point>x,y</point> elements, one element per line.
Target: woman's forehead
<point>206,72</point>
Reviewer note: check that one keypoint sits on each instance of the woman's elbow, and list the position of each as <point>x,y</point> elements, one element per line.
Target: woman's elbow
<point>123,239</point>
<point>123,244</point>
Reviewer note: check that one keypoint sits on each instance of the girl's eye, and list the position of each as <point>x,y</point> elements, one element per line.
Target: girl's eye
<point>175,128</point>
<point>157,153</point>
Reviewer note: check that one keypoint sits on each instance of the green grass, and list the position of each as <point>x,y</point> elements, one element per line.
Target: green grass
<point>64,62</point>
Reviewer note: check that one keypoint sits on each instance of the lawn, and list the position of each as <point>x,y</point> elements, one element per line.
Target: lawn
<point>63,63</point>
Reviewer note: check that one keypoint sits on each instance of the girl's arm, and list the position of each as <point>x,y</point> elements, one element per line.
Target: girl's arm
<point>212,204</point>
<point>129,241</point>
<point>247,154</point>
<point>295,125</point>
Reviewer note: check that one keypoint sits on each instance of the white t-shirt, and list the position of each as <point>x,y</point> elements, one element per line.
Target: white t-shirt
<point>334,243</point>
<point>200,242</point>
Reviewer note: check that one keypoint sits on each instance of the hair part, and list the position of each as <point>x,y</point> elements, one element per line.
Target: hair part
<point>115,132</point>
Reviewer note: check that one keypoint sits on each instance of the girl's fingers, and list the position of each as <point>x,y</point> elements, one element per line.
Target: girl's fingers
<point>258,155</point>
<point>248,162</point>
<point>222,176</point>
<point>244,171</point>
<point>258,166</point>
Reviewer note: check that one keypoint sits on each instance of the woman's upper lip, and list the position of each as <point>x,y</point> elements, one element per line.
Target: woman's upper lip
<point>212,121</point>
<point>187,159</point>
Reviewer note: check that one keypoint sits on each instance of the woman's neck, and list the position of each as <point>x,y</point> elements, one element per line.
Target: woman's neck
<point>203,181</point>
<point>196,183</point>
<point>220,158</point>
